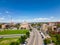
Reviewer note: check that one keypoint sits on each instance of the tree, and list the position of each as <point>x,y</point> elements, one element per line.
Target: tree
<point>47,41</point>
<point>58,39</point>
<point>22,39</point>
<point>30,29</point>
<point>7,26</point>
<point>27,34</point>
<point>0,25</point>
<point>39,24</point>
<point>33,25</point>
<point>14,43</point>
<point>58,25</point>
<point>17,25</point>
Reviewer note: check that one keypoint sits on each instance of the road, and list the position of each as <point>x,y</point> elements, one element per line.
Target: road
<point>35,38</point>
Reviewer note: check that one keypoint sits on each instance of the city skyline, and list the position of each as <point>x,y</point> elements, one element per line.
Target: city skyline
<point>30,11</point>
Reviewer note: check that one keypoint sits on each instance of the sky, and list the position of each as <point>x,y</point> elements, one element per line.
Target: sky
<point>29,10</point>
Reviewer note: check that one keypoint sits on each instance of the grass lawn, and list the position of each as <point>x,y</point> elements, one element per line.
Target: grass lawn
<point>13,32</point>
<point>7,41</point>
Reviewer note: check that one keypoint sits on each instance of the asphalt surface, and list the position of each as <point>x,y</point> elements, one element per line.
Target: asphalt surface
<point>35,38</point>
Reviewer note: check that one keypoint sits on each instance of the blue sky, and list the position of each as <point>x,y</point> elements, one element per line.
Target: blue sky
<point>29,10</point>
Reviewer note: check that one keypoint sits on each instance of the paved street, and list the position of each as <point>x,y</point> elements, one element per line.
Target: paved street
<point>35,38</point>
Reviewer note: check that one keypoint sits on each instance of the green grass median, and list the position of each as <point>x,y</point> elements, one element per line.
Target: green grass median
<point>4,32</point>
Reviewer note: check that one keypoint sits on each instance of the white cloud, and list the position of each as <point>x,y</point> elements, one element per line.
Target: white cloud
<point>43,19</point>
<point>35,19</point>
<point>52,17</point>
<point>2,18</point>
<point>40,19</point>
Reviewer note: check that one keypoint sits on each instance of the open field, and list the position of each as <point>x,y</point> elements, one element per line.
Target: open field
<point>7,41</point>
<point>4,32</point>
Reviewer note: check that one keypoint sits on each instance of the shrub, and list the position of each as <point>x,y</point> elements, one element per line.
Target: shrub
<point>47,41</point>
<point>22,39</point>
<point>58,39</point>
<point>14,43</point>
<point>54,39</point>
<point>30,29</point>
<point>27,34</point>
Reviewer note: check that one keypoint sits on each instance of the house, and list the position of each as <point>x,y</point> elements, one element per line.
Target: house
<point>24,25</point>
<point>3,26</point>
<point>45,27</point>
<point>53,25</point>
